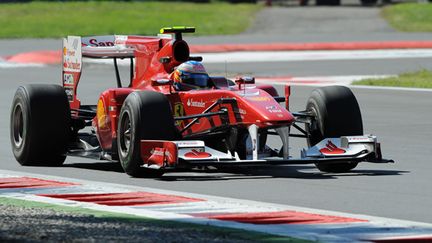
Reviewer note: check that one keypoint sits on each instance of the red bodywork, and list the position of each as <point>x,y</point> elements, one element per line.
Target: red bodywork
<point>155,59</point>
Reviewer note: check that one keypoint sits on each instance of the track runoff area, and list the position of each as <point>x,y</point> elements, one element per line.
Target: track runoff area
<point>295,223</point>
<point>275,219</point>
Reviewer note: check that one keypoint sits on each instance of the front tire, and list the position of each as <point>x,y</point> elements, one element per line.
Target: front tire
<point>337,114</point>
<point>145,115</point>
<point>40,125</point>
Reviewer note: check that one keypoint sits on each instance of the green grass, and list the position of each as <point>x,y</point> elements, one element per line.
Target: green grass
<point>232,233</point>
<point>58,19</point>
<point>419,79</point>
<point>410,17</point>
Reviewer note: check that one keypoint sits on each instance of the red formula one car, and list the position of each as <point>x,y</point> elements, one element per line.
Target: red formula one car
<point>152,126</point>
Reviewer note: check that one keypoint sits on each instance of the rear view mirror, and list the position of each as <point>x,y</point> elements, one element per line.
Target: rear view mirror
<point>245,80</point>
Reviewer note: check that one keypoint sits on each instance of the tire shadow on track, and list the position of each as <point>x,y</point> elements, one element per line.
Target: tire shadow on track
<point>236,173</point>
<point>102,166</point>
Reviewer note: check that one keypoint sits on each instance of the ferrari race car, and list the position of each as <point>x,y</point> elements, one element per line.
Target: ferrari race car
<point>151,127</point>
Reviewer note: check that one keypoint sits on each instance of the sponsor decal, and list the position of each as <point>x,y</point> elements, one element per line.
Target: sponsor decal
<point>159,156</point>
<point>332,149</point>
<point>259,98</point>
<point>69,93</point>
<point>241,111</point>
<point>161,152</point>
<point>190,143</point>
<point>179,111</point>
<point>360,139</point>
<point>273,109</point>
<point>194,103</point>
<point>95,43</point>
<point>72,54</point>
<point>68,79</point>
<point>72,65</point>
<point>199,69</point>
<point>101,115</point>
<point>194,67</point>
<point>67,52</point>
<point>197,154</point>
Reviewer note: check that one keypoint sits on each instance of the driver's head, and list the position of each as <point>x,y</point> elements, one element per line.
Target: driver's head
<point>190,75</point>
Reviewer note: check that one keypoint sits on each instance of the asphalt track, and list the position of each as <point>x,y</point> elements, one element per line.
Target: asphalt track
<point>401,120</point>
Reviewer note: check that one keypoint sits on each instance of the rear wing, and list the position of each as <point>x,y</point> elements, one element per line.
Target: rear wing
<point>170,53</point>
<point>106,46</point>
<point>76,47</point>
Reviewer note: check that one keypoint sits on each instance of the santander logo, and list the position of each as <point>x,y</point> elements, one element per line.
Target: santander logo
<point>194,103</point>
<point>95,42</point>
<point>331,148</point>
<point>197,154</point>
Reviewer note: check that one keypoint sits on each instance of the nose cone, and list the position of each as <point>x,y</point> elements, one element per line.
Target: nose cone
<point>262,108</point>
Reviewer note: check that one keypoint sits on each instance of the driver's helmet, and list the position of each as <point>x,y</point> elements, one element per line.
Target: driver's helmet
<point>190,75</point>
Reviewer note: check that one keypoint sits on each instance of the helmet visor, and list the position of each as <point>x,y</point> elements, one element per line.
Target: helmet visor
<point>197,79</point>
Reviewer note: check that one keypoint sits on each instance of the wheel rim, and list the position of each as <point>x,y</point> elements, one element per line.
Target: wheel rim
<point>18,126</point>
<point>314,123</point>
<point>125,134</point>
<point>313,127</point>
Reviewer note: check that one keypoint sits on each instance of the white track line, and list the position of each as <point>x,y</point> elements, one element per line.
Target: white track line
<point>389,88</point>
<point>317,80</point>
<point>5,64</point>
<point>291,56</point>
<point>295,56</point>
<point>335,80</point>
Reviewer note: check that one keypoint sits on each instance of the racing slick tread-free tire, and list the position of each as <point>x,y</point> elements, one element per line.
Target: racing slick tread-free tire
<point>337,114</point>
<point>40,125</point>
<point>145,115</point>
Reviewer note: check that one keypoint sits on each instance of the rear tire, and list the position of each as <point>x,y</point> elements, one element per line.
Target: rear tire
<point>40,125</point>
<point>337,114</point>
<point>145,115</point>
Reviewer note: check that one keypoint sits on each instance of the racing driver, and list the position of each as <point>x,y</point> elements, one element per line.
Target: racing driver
<point>190,75</point>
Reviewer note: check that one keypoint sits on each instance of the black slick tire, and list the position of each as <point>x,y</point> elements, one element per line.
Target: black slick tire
<point>145,115</point>
<point>337,113</point>
<point>40,125</point>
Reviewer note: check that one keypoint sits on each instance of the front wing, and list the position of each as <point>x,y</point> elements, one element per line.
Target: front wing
<point>158,154</point>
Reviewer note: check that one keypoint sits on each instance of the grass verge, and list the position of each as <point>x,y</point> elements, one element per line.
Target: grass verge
<point>410,17</point>
<point>234,234</point>
<point>58,19</point>
<point>419,79</point>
